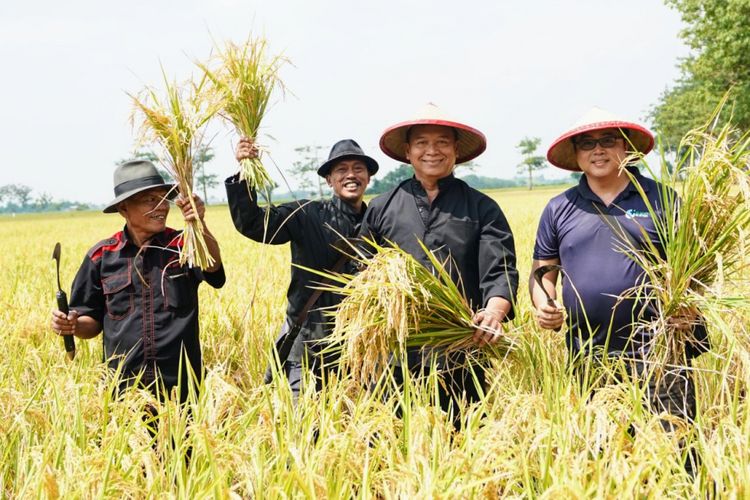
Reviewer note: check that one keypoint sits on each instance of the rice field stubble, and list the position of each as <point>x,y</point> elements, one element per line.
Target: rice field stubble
<point>541,435</point>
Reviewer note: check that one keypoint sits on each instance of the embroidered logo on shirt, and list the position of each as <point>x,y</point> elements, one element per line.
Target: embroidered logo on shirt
<point>632,214</point>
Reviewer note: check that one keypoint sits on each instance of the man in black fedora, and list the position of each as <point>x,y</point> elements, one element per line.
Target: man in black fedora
<point>313,228</point>
<point>132,287</point>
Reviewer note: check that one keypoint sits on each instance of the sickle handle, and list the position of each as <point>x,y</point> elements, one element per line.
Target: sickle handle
<point>62,306</point>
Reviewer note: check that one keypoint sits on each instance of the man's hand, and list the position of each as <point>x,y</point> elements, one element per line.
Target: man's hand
<point>549,316</point>
<point>187,208</point>
<point>246,149</point>
<point>64,324</point>
<point>489,327</point>
<point>684,320</point>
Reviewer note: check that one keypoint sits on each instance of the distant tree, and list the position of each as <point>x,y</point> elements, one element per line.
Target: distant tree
<point>531,161</point>
<point>718,34</point>
<point>16,197</point>
<point>484,182</point>
<point>576,176</point>
<point>391,179</point>
<point>43,202</point>
<point>471,166</point>
<point>207,181</point>
<point>307,167</point>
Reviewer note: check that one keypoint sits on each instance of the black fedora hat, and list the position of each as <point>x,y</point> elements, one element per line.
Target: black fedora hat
<point>134,176</point>
<point>347,149</point>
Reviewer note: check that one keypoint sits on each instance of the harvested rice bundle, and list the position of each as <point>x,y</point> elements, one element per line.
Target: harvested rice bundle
<point>244,79</point>
<point>704,234</point>
<point>174,119</point>
<point>396,303</point>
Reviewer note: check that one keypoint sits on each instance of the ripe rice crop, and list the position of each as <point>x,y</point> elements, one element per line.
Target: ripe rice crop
<point>539,433</point>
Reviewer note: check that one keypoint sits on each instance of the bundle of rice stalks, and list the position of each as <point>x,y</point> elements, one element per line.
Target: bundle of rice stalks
<point>703,234</point>
<point>174,119</point>
<point>394,304</point>
<point>244,79</point>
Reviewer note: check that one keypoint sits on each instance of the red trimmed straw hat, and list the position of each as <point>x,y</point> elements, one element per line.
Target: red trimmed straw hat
<point>470,144</point>
<point>562,153</point>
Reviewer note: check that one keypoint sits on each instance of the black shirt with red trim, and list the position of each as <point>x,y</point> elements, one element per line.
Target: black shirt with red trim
<point>147,304</point>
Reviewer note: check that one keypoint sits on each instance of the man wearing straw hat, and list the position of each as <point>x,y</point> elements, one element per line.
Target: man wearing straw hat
<point>132,287</point>
<point>455,222</point>
<point>315,229</point>
<point>583,233</point>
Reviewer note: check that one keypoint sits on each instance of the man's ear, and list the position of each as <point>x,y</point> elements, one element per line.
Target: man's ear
<point>122,208</point>
<point>406,152</point>
<point>328,180</point>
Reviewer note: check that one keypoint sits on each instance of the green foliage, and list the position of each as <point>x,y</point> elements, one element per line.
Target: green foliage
<point>718,34</point>
<point>391,179</point>
<point>531,161</point>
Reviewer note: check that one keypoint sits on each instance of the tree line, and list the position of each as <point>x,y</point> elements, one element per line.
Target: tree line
<point>19,198</point>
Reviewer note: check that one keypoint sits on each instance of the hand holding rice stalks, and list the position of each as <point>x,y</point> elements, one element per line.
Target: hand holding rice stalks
<point>244,81</point>
<point>703,234</point>
<point>174,120</point>
<point>396,303</point>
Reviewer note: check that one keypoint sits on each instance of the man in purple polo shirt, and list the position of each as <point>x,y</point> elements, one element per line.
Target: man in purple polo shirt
<point>576,232</point>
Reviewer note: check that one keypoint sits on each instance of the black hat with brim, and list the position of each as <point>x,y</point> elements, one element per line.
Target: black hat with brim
<point>347,149</point>
<point>133,177</point>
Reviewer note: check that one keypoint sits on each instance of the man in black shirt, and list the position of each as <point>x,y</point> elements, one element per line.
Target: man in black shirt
<point>453,221</point>
<point>313,228</point>
<point>132,287</point>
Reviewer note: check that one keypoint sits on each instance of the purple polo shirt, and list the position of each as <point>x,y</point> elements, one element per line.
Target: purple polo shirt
<point>596,270</point>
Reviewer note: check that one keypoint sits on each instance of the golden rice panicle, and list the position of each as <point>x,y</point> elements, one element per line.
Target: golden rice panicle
<point>394,304</point>
<point>245,77</point>
<point>704,234</point>
<point>174,119</point>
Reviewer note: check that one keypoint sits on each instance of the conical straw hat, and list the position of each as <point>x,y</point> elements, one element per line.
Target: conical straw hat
<point>562,153</point>
<point>470,144</point>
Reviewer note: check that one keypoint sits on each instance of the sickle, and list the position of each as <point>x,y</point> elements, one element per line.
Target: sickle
<point>62,305</point>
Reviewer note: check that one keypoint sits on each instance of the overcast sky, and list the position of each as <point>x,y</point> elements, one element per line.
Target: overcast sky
<point>510,69</point>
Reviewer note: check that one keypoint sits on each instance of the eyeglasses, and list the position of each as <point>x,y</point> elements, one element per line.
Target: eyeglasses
<point>587,144</point>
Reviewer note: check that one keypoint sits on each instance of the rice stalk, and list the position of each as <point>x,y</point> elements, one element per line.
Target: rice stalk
<point>244,79</point>
<point>395,304</point>
<point>702,226</point>
<point>174,119</point>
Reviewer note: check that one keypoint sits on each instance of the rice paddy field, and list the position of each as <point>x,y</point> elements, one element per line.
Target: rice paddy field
<point>537,434</point>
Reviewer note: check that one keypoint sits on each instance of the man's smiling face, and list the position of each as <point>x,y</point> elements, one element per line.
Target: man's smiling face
<point>146,212</point>
<point>349,179</point>
<point>600,161</point>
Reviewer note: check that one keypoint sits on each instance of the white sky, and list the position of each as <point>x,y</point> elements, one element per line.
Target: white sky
<point>510,69</point>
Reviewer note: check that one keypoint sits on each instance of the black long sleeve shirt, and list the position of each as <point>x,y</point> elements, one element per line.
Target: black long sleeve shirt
<point>460,223</point>
<point>312,228</point>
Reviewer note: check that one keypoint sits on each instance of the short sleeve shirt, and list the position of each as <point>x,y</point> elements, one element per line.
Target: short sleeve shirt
<point>147,304</point>
<point>597,271</point>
